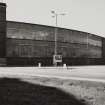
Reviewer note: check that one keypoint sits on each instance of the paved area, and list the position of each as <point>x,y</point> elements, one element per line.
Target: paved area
<point>89,73</point>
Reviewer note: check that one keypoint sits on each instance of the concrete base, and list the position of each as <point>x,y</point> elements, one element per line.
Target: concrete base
<point>48,61</point>
<point>2,61</point>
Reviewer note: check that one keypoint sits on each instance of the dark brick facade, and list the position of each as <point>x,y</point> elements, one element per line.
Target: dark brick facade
<point>40,38</point>
<point>28,44</point>
<point>36,48</point>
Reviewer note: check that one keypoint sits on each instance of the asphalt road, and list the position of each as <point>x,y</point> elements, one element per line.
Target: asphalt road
<point>89,73</point>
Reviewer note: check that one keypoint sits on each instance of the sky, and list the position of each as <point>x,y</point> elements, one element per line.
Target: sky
<point>82,15</point>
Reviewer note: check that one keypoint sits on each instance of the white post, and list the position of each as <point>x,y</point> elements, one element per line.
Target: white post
<point>39,65</point>
<point>64,66</point>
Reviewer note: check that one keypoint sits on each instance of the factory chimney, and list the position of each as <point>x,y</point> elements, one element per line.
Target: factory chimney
<point>2,33</point>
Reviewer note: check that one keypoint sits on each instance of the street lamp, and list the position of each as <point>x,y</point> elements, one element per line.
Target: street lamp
<point>87,40</point>
<point>55,15</point>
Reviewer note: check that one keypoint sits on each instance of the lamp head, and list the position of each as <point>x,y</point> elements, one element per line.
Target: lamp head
<point>63,14</point>
<point>53,12</point>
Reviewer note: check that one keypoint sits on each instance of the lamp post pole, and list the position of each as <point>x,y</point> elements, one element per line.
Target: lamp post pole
<point>55,35</point>
<point>56,31</point>
<point>87,41</point>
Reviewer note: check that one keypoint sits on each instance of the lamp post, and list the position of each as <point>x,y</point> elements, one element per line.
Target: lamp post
<point>55,15</point>
<point>87,40</point>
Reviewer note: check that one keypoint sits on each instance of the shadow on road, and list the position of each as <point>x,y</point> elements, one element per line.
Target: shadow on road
<point>16,92</point>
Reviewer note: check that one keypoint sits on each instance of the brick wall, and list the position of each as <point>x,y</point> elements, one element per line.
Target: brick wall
<point>32,40</point>
<point>37,48</point>
<point>40,32</point>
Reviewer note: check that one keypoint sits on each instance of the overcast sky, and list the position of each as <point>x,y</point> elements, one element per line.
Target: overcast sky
<point>82,15</point>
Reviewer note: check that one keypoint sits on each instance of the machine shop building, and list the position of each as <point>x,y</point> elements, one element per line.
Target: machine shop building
<point>26,44</point>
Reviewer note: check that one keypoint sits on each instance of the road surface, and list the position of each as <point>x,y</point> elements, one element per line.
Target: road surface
<point>89,73</point>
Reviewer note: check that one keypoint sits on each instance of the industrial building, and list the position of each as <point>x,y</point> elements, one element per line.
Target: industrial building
<point>26,44</point>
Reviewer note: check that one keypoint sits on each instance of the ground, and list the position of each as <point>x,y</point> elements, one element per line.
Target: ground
<point>32,89</point>
<point>90,93</point>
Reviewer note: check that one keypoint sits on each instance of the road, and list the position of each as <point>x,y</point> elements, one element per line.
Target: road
<point>89,73</point>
